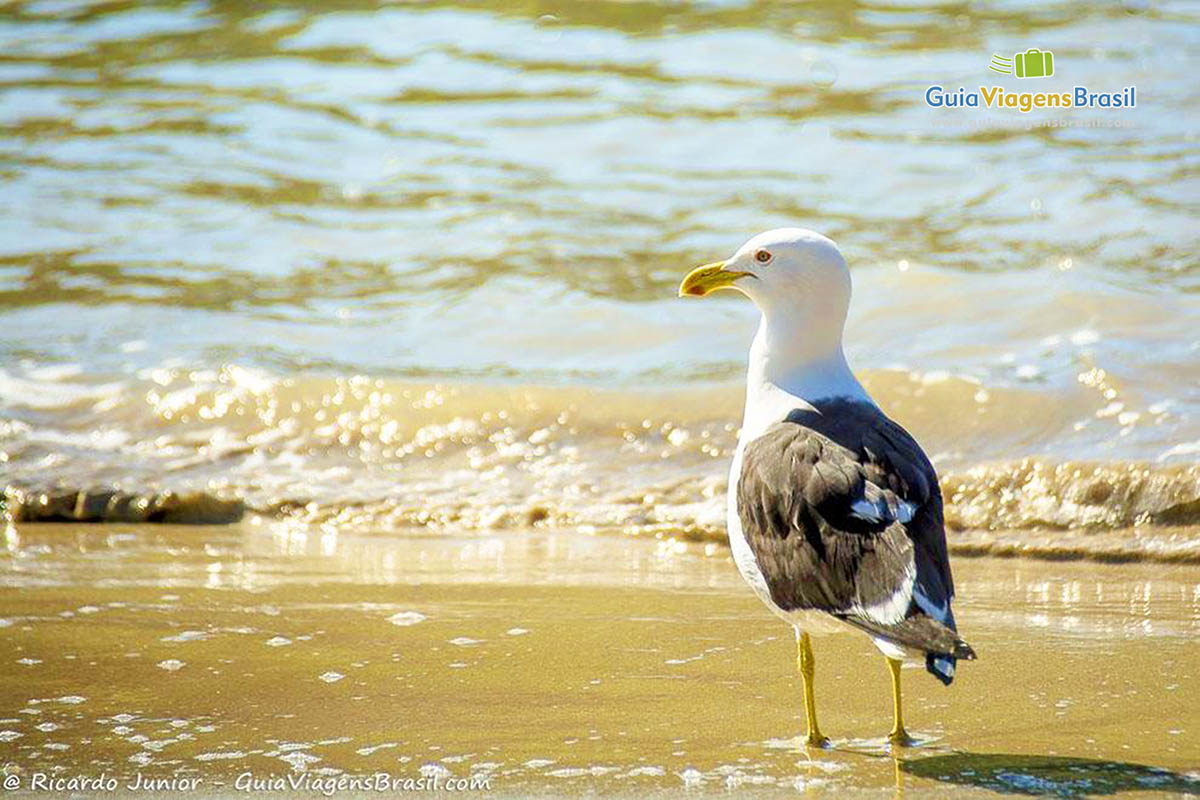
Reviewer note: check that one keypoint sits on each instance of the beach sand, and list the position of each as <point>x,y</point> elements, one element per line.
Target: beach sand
<point>557,663</point>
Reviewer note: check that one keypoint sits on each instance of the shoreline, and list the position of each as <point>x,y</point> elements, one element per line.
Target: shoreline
<point>1176,545</point>
<point>179,446</point>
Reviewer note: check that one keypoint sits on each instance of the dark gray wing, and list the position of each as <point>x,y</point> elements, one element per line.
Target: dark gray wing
<point>843,513</point>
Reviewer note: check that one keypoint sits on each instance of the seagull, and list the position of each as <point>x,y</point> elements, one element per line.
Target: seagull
<point>834,512</point>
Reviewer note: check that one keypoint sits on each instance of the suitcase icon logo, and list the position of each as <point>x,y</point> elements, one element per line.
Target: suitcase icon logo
<point>1033,63</point>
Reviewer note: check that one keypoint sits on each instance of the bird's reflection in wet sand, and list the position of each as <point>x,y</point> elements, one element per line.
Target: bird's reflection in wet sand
<point>1057,776</point>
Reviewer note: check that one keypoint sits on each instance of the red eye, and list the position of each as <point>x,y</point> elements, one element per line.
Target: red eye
<point>762,256</point>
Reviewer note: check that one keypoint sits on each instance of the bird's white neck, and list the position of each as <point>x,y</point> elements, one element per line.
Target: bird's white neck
<point>793,365</point>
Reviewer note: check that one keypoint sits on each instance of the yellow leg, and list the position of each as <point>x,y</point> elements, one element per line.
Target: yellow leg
<point>804,660</point>
<point>898,736</point>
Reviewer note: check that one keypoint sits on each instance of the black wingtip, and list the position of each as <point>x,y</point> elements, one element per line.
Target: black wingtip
<point>940,667</point>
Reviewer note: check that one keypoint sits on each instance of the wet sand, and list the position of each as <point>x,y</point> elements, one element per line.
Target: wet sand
<point>560,663</point>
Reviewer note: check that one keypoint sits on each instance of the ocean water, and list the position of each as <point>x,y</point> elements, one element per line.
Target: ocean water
<point>415,264</point>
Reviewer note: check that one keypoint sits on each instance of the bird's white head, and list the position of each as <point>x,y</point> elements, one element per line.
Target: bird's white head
<point>791,274</point>
<point>801,283</point>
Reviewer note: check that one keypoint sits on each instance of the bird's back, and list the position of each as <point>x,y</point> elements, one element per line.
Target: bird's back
<point>842,514</point>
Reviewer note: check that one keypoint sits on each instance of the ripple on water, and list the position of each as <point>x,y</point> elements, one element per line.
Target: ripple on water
<point>299,760</point>
<point>370,750</point>
<point>220,756</point>
<point>405,618</point>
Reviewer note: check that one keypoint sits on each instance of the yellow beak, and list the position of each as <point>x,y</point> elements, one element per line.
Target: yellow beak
<point>707,279</point>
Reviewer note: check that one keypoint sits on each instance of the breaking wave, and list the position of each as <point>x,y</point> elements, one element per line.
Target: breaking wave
<point>180,446</point>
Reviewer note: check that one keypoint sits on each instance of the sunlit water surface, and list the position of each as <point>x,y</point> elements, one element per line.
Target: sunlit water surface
<point>214,212</point>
